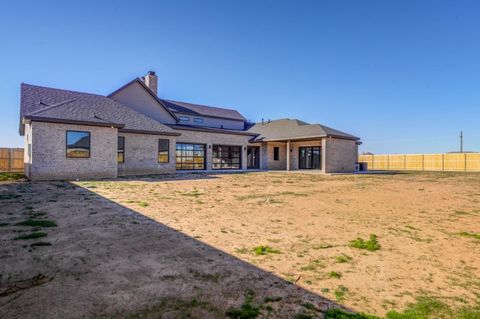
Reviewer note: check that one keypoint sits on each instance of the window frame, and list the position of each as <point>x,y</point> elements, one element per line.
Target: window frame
<point>276,153</point>
<point>193,157</point>
<point>229,157</point>
<point>167,150</point>
<point>183,118</point>
<point>121,150</point>
<point>89,143</point>
<point>198,120</point>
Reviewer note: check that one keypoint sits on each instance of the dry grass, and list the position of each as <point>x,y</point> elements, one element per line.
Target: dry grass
<point>304,228</point>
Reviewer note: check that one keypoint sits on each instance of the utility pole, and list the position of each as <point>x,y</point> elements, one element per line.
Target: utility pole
<point>461,141</point>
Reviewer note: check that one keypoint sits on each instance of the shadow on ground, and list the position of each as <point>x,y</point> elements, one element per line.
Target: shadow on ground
<point>108,261</point>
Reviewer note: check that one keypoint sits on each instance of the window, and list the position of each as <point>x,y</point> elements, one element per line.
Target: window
<point>121,150</point>
<point>78,144</point>
<point>163,151</point>
<point>227,157</point>
<point>197,120</point>
<point>184,118</point>
<point>190,156</point>
<point>276,153</point>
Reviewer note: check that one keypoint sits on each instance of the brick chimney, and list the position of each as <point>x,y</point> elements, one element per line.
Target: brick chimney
<point>151,81</point>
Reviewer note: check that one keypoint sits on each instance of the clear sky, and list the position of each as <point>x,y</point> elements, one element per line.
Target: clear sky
<point>402,75</point>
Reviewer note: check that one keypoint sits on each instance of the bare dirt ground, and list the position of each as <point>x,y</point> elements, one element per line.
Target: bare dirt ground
<point>185,245</point>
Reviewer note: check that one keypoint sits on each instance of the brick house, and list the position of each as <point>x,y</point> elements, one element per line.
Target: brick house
<point>132,131</point>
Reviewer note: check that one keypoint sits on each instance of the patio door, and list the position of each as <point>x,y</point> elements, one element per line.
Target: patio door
<point>253,157</point>
<point>309,158</point>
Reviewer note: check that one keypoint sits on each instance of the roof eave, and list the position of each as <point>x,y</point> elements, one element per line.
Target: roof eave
<point>67,121</point>
<point>123,130</point>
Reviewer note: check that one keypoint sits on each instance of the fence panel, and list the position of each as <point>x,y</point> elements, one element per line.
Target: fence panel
<point>456,162</point>
<point>11,159</point>
<point>433,162</point>
<point>472,162</point>
<point>414,162</point>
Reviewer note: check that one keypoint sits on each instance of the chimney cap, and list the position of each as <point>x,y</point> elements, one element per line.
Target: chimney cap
<point>151,73</point>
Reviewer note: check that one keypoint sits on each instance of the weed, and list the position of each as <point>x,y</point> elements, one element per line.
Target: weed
<point>265,250</point>
<point>334,274</point>
<point>31,236</point>
<point>302,315</point>
<point>470,235</point>
<point>4,224</point>
<point>371,245</point>
<point>342,259</point>
<point>247,310</point>
<point>4,177</point>
<point>143,204</point>
<point>334,313</point>
<point>37,223</point>
<point>313,265</point>
<point>340,292</point>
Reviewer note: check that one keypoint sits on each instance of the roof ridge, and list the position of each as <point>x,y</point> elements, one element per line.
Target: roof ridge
<point>49,107</point>
<point>63,90</point>
<point>214,107</point>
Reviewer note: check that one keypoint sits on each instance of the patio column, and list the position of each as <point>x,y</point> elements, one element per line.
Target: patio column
<point>288,155</point>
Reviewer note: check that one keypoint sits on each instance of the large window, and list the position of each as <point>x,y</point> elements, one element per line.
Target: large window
<point>78,144</point>
<point>121,150</point>
<point>227,157</point>
<point>190,156</point>
<point>309,157</point>
<point>163,151</point>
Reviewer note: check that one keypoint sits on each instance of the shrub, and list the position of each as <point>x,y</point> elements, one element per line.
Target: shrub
<point>371,245</point>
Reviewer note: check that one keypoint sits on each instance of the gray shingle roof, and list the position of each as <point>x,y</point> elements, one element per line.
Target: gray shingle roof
<point>287,129</point>
<point>49,103</point>
<point>202,110</point>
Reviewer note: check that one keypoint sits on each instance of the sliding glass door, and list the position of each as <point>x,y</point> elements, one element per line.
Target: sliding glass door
<point>309,158</point>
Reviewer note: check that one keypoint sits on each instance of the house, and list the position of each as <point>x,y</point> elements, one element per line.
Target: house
<point>133,131</point>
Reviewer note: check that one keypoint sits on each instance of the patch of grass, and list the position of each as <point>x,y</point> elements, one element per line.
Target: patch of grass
<point>424,308</point>
<point>371,245</point>
<point>340,292</point>
<point>6,177</point>
<point>264,250</point>
<point>343,259</point>
<point>194,193</point>
<point>36,214</point>
<point>33,235</point>
<point>470,235</point>
<point>334,313</point>
<point>313,265</point>
<point>143,204</point>
<point>37,223</point>
<point>302,315</point>
<point>334,274</point>
<point>4,224</point>
<point>247,310</point>
<point>41,243</point>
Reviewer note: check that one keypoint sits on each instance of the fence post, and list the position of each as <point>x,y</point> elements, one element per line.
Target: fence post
<point>465,160</point>
<point>10,162</point>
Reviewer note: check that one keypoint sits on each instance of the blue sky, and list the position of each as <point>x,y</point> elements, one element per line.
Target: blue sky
<point>402,75</point>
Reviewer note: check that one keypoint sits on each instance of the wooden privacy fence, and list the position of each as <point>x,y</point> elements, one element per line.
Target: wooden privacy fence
<point>455,162</point>
<point>11,159</point>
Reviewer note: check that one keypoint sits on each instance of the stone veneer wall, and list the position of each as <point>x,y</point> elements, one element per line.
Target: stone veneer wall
<point>141,155</point>
<point>340,155</point>
<point>210,139</point>
<point>49,160</point>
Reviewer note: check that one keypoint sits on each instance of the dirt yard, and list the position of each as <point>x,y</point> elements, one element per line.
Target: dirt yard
<point>205,246</point>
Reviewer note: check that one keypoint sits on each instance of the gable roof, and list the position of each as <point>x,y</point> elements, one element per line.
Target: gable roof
<point>203,110</point>
<point>63,106</point>
<point>287,129</point>
<point>149,91</point>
